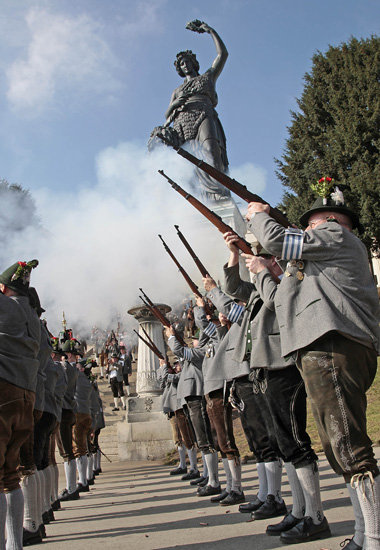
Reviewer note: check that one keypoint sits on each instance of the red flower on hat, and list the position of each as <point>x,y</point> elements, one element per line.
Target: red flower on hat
<point>22,264</point>
<point>326,178</point>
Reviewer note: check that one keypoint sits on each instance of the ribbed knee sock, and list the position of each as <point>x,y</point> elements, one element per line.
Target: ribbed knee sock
<point>29,490</point>
<point>298,509</point>
<point>82,469</point>
<point>309,479</point>
<point>358,514</point>
<point>235,468</point>
<point>71,475</point>
<point>212,467</point>
<point>15,516</point>
<point>182,456</point>
<point>48,484</point>
<point>192,454</point>
<point>90,466</point>
<point>263,481</point>
<point>368,492</point>
<point>274,475</point>
<point>226,467</point>
<point>3,515</point>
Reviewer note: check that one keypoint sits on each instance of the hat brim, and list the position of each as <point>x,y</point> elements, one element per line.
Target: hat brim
<point>304,219</point>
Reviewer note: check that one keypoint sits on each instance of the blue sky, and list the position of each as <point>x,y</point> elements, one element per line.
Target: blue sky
<point>81,76</point>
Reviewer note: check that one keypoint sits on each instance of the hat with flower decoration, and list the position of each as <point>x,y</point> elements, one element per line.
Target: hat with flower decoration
<point>17,276</point>
<point>330,197</point>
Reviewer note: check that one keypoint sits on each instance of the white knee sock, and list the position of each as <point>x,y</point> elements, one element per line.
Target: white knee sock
<point>298,509</point>
<point>124,400</point>
<point>41,479</point>
<point>40,488</point>
<point>226,467</point>
<point>99,459</point>
<point>3,515</point>
<point>15,516</point>
<point>82,469</point>
<point>71,475</point>
<point>274,475</point>
<point>192,454</point>
<point>128,390</point>
<point>358,514</point>
<point>263,481</point>
<point>48,484</point>
<point>55,481</point>
<point>212,467</point>
<point>116,402</point>
<point>29,490</point>
<point>309,479</point>
<point>368,491</point>
<point>182,456</point>
<point>235,468</point>
<point>204,465</point>
<point>90,466</point>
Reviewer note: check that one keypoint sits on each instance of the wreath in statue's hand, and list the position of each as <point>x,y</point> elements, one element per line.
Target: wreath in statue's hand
<point>198,26</point>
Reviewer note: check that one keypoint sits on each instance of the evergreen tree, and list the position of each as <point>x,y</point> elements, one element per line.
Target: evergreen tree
<point>17,209</point>
<point>336,134</point>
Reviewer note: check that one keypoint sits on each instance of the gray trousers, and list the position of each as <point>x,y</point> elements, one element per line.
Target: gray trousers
<point>337,373</point>
<point>201,423</point>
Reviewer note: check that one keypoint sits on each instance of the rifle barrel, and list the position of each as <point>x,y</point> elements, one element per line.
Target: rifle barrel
<point>216,220</point>
<point>197,261</point>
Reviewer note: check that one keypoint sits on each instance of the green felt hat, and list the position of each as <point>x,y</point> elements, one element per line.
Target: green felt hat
<point>330,198</point>
<point>17,276</point>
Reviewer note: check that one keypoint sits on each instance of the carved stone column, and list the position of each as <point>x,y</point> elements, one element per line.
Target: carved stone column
<point>147,362</point>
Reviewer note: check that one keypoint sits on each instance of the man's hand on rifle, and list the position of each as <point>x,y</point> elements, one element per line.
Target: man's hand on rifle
<point>200,301</point>
<point>255,264</point>
<point>169,331</point>
<point>254,207</point>
<point>208,283</point>
<point>230,238</point>
<point>223,319</point>
<point>162,362</point>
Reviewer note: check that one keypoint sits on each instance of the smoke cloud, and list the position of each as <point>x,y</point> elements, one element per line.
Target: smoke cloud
<point>99,244</point>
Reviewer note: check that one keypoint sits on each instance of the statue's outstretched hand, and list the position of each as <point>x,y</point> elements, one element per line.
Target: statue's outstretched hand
<point>198,26</point>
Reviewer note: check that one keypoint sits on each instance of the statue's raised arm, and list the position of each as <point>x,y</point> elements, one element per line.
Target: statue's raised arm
<point>221,50</point>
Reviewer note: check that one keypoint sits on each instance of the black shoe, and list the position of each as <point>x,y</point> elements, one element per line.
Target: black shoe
<point>56,505</point>
<point>101,377</point>
<point>29,538</point>
<point>251,506</point>
<point>45,518</point>
<point>349,544</point>
<point>287,523</point>
<point>82,488</point>
<point>306,530</point>
<point>116,409</point>
<point>124,408</point>
<point>65,495</point>
<point>178,471</point>
<point>91,481</point>
<point>199,480</point>
<point>193,474</point>
<point>232,498</point>
<point>97,472</point>
<point>42,531</point>
<point>220,497</point>
<point>203,482</point>
<point>208,491</point>
<point>51,514</point>
<point>270,509</point>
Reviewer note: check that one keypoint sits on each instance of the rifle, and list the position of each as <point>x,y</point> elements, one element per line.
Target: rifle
<point>216,220</point>
<point>151,345</point>
<point>238,188</point>
<point>160,316</point>
<point>197,261</point>
<point>189,281</point>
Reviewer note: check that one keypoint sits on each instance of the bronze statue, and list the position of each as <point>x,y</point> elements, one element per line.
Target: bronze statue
<point>191,116</point>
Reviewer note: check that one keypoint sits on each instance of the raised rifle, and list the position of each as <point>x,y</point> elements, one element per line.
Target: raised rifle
<point>151,345</point>
<point>216,220</point>
<point>160,316</point>
<point>197,261</point>
<point>238,188</point>
<point>187,278</point>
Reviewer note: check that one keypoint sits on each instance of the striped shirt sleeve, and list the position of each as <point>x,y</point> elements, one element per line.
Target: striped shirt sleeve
<point>293,242</point>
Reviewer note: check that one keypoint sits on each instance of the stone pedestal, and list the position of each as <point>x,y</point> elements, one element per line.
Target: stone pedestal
<point>146,433</point>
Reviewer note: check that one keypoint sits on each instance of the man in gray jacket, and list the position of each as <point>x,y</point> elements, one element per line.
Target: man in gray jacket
<point>328,312</point>
<point>19,345</point>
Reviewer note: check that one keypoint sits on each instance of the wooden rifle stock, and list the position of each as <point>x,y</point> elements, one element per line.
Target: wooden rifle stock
<point>197,261</point>
<point>151,346</point>
<point>238,188</point>
<point>216,220</point>
<point>160,316</point>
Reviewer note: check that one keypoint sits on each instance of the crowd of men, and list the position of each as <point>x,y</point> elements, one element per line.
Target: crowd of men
<point>306,324</point>
<point>48,396</point>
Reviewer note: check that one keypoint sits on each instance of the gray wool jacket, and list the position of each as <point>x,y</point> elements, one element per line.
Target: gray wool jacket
<point>168,383</point>
<point>265,332</point>
<point>60,389</point>
<point>82,396</point>
<point>72,377</point>
<point>337,292</point>
<point>20,334</point>
<point>191,379</point>
<point>51,377</point>
<point>43,357</point>
<point>96,406</point>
